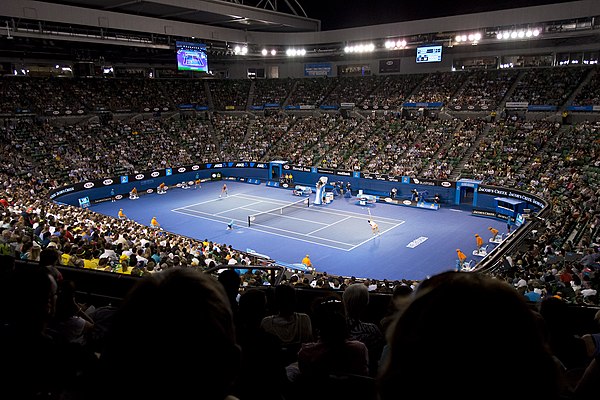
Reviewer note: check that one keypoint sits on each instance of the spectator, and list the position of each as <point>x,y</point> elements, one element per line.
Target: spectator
<point>291,327</point>
<point>468,324</point>
<point>356,300</point>
<point>176,324</point>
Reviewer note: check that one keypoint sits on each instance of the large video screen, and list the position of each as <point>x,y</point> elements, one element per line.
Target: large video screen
<point>426,54</point>
<point>191,57</point>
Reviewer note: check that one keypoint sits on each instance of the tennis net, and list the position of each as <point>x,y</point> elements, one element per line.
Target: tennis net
<point>283,210</point>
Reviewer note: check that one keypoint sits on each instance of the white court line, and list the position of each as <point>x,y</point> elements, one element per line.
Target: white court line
<point>267,226</point>
<point>191,212</point>
<point>329,225</point>
<point>374,236</point>
<point>286,216</point>
<point>272,233</point>
<point>237,208</point>
<point>347,214</point>
<point>337,212</point>
<point>203,202</point>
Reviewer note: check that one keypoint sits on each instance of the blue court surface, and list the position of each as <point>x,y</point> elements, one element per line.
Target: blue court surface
<point>412,243</point>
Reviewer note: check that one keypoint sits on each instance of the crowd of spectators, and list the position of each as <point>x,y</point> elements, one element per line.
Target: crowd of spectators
<point>484,90</point>
<point>556,266</point>
<point>271,91</point>
<point>547,86</point>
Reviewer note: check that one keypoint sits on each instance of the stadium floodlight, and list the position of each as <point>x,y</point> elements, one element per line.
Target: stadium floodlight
<point>505,35</point>
<point>477,36</point>
<point>264,52</point>
<point>521,34</point>
<point>391,45</point>
<point>528,33</point>
<point>499,35</point>
<point>536,32</point>
<point>361,48</point>
<point>295,52</point>
<point>458,38</point>
<point>273,52</point>
<point>513,35</point>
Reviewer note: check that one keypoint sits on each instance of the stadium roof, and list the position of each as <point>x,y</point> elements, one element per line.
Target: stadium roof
<point>157,24</point>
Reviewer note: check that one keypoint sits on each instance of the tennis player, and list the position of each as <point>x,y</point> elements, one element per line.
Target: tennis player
<point>374,226</point>
<point>224,190</point>
<point>230,225</point>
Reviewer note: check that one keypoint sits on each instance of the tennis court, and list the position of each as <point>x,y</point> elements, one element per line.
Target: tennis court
<point>338,229</point>
<point>413,243</point>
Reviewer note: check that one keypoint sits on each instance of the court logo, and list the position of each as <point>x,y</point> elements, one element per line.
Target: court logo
<point>155,174</point>
<point>195,168</point>
<point>415,180</point>
<point>182,169</point>
<point>407,202</point>
<point>149,191</point>
<point>446,184</point>
<point>417,242</point>
<point>118,197</point>
<point>139,176</point>
<point>107,182</point>
<point>88,185</point>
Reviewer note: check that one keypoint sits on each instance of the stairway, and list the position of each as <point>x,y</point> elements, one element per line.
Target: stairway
<point>456,172</point>
<point>211,104</point>
<point>577,90</point>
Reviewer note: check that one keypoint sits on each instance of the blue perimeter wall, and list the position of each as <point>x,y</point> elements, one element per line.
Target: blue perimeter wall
<point>380,185</point>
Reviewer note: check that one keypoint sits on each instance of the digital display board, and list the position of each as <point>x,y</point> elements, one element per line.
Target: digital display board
<point>191,57</point>
<point>426,54</point>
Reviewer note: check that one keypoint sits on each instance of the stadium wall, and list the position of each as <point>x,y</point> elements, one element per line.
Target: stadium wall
<point>450,192</point>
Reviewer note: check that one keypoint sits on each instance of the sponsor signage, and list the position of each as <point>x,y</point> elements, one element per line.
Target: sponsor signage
<point>517,104</point>
<point>343,173</point>
<point>62,191</point>
<point>318,69</point>
<point>483,213</point>
<point>387,66</point>
<point>325,171</point>
<point>515,194</point>
<point>298,168</point>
